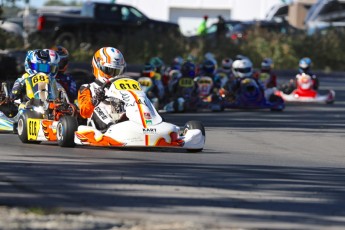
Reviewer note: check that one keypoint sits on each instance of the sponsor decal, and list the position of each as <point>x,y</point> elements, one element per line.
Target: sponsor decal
<point>148,122</point>
<point>138,102</point>
<point>100,113</point>
<point>125,97</point>
<point>147,115</point>
<point>149,131</point>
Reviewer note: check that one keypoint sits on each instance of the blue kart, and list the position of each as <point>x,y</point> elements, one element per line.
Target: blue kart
<point>251,96</point>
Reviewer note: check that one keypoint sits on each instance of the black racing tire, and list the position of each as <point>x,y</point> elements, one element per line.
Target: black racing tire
<point>65,129</point>
<point>276,110</point>
<point>194,125</point>
<point>15,125</point>
<point>276,99</point>
<point>22,128</point>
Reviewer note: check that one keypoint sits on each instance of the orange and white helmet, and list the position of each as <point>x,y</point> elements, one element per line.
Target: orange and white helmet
<point>107,62</point>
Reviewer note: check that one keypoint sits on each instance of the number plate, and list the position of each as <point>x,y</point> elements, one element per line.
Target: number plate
<point>40,78</point>
<point>127,84</point>
<point>33,127</point>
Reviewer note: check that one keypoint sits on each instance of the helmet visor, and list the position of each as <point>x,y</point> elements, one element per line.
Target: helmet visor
<point>111,71</point>
<point>43,67</point>
<point>243,70</point>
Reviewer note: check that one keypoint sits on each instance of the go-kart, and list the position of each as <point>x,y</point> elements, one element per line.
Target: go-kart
<point>251,96</point>
<point>8,109</point>
<point>305,92</point>
<point>47,115</point>
<point>209,98</point>
<point>140,124</point>
<point>187,101</point>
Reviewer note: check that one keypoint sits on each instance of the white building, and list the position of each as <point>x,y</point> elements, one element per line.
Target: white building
<point>189,13</point>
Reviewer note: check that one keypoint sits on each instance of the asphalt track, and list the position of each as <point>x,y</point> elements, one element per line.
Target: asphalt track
<point>259,169</point>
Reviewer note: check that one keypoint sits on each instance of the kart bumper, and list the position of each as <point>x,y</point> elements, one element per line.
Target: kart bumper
<point>127,134</point>
<point>328,98</point>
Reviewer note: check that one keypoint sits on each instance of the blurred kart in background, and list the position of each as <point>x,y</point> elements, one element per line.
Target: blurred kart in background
<point>251,96</point>
<point>209,96</point>
<point>8,109</point>
<point>305,93</point>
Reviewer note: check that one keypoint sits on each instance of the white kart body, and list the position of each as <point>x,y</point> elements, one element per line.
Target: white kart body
<point>144,126</point>
<point>327,98</point>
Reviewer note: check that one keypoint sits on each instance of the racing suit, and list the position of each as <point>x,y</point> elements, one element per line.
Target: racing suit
<point>314,79</point>
<point>22,91</point>
<point>185,92</point>
<point>103,112</point>
<point>292,84</point>
<point>69,84</point>
<point>234,87</point>
<point>267,78</point>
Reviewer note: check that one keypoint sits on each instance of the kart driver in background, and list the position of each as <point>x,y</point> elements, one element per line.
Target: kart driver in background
<point>266,75</point>
<point>65,80</point>
<point>241,69</point>
<point>107,62</point>
<point>304,66</point>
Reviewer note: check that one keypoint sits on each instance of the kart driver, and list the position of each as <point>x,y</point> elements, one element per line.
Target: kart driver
<point>266,75</point>
<point>107,62</point>
<point>36,61</point>
<point>305,67</point>
<point>65,80</point>
<point>241,69</point>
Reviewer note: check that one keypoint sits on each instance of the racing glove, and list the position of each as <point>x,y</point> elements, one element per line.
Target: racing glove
<point>98,97</point>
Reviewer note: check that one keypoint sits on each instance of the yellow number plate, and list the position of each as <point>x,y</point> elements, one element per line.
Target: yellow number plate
<point>205,80</point>
<point>33,126</point>
<point>127,84</point>
<point>147,82</point>
<point>40,78</point>
<point>186,82</point>
<point>264,77</point>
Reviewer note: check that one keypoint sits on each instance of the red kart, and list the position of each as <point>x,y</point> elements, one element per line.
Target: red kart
<point>305,92</point>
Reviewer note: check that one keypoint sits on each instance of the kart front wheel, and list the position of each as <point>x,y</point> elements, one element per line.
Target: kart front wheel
<point>65,129</point>
<point>22,127</point>
<point>194,125</point>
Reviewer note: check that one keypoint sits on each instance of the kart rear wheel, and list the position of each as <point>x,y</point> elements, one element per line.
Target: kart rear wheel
<point>22,126</point>
<point>194,125</point>
<point>65,129</point>
<point>277,100</point>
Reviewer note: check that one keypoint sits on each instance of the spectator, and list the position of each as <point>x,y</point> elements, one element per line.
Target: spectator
<point>202,29</point>
<point>221,29</point>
